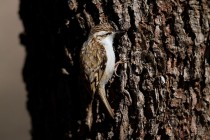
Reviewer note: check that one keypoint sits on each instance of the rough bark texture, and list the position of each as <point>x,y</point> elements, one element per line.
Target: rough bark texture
<point>166,70</point>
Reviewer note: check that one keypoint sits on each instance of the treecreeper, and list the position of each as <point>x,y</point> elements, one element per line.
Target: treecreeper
<point>97,64</point>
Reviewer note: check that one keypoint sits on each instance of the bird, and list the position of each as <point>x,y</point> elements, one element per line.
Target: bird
<point>97,64</point>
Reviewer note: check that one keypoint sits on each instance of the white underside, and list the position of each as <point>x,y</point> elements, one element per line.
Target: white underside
<point>108,44</point>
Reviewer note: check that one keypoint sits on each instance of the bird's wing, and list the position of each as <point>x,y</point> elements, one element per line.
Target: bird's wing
<point>93,63</point>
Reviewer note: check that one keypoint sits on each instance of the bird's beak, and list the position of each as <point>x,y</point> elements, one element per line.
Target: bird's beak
<point>120,32</point>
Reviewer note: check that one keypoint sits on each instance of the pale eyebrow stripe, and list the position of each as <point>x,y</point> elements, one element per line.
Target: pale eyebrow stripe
<point>101,33</point>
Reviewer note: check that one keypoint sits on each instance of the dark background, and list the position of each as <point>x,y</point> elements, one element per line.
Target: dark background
<point>14,118</point>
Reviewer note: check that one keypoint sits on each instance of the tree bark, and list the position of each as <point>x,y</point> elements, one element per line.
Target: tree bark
<point>166,67</point>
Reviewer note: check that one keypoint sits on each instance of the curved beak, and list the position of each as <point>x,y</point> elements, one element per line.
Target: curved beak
<point>120,32</point>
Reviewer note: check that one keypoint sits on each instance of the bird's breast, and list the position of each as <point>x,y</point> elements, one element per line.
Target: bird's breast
<point>110,64</point>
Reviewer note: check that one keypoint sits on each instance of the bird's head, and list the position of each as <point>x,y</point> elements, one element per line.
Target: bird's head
<point>104,32</point>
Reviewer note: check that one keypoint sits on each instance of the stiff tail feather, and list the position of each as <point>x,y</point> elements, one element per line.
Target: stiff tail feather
<point>102,94</point>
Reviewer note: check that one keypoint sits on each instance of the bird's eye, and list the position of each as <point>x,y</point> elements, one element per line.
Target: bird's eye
<point>108,33</point>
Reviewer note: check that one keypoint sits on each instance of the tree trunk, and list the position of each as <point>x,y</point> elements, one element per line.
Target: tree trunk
<point>165,69</point>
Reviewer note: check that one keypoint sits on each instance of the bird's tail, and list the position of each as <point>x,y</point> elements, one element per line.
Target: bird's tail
<point>102,94</point>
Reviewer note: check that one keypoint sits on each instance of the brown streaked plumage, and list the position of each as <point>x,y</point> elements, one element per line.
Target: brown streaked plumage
<point>97,62</point>
<point>101,27</point>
